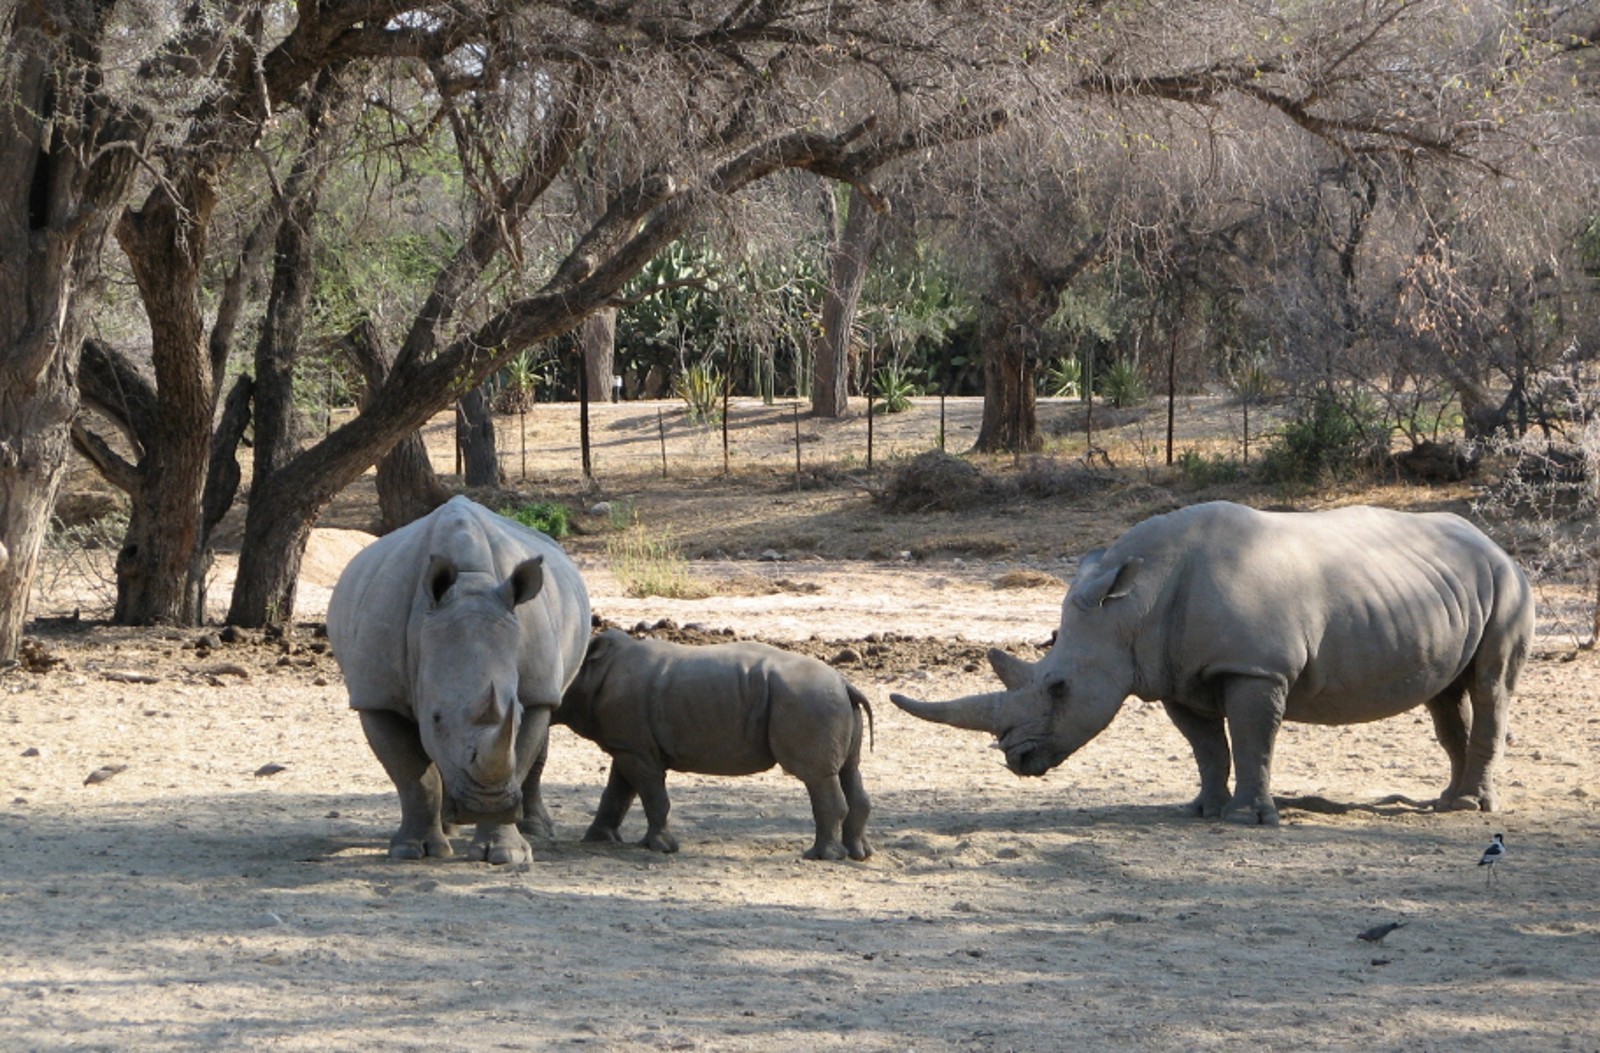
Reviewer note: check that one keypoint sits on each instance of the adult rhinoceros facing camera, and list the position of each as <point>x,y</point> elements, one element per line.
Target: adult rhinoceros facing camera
<point>457,635</point>
<point>1237,620</point>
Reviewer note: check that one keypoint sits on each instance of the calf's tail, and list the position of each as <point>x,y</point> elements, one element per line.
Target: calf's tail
<point>859,701</point>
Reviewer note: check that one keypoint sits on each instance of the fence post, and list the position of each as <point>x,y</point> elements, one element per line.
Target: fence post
<point>871,387</point>
<point>661,430</point>
<point>797,445</point>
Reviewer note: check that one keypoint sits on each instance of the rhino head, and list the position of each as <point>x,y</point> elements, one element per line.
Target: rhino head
<point>465,699</point>
<point>1051,708</point>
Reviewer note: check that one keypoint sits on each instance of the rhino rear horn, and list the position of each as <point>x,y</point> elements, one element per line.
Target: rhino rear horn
<point>975,712</point>
<point>1013,672</point>
<point>524,584</point>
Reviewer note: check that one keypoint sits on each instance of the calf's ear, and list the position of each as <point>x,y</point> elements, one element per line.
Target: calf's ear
<point>524,583</point>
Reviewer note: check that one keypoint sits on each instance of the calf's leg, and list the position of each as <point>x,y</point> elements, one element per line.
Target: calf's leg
<point>615,801</point>
<point>1254,710</point>
<point>829,806</point>
<point>1451,721</point>
<point>855,820</point>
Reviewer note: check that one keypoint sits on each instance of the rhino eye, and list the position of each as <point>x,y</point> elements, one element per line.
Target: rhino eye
<point>1057,690</point>
<point>438,718</point>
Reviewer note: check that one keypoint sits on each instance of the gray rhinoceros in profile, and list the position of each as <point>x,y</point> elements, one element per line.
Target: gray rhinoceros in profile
<point>457,635</point>
<point>721,709</point>
<point>1237,620</point>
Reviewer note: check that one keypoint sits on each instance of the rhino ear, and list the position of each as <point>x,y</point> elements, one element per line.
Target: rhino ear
<point>442,574</point>
<point>524,583</point>
<point>1096,583</point>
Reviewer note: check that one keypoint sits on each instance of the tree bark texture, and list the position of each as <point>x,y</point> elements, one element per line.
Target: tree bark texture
<point>848,261</point>
<point>598,338</point>
<point>165,246</point>
<point>62,184</point>
<point>475,433</point>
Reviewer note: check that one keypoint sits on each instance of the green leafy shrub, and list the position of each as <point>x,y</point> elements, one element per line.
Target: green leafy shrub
<point>1063,378</point>
<point>1123,385</point>
<point>1325,441</point>
<point>700,386</point>
<point>545,516</point>
<point>1199,471</point>
<point>895,389</point>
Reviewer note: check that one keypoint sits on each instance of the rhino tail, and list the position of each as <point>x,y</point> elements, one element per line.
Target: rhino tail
<point>859,701</point>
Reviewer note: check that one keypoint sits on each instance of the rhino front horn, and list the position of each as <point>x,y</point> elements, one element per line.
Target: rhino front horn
<point>975,712</point>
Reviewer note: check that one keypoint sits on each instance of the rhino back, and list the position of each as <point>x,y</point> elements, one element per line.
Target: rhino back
<point>1362,612</point>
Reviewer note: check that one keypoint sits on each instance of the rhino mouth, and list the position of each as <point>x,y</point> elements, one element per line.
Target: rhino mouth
<point>477,806</point>
<point>1029,758</point>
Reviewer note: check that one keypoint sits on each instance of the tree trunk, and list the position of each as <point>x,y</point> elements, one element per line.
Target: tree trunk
<point>165,246</point>
<point>598,338</point>
<point>1010,363</point>
<point>475,433</point>
<point>847,272</point>
<point>61,187</point>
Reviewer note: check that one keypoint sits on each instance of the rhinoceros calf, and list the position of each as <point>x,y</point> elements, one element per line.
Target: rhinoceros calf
<point>1237,620</point>
<point>723,709</point>
<point>457,635</point>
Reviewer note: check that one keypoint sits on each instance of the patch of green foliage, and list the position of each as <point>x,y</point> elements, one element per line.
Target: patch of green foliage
<point>1200,471</point>
<point>1326,441</point>
<point>545,516</point>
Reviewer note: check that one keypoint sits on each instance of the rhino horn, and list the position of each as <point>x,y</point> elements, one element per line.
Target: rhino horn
<point>487,713</point>
<point>975,712</point>
<point>1013,672</point>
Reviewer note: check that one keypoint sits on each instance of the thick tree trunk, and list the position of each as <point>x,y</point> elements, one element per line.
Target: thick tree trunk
<point>275,532</point>
<point>598,338</point>
<point>61,186</point>
<point>1010,418</point>
<point>847,272</point>
<point>165,246</point>
<point>475,433</point>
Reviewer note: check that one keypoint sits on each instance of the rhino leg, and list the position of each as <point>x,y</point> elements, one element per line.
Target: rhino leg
<point>649,781</point>
<point>499,843</point>
<point>1451,720</point>
<point>829,807</point>
<point>615,801</point>
<point>1490,686</point>
<point>535,821</point>
<point>398,747</point>
<point>855,820</point>
<point>1254,711</point>
<point>1208,738</point>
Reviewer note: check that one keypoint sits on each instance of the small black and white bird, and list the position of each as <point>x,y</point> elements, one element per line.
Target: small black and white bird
<point>1378,932</point>
<point>1492,855</point>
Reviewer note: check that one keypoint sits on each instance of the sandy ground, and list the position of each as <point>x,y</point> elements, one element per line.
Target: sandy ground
<point>226,887</point>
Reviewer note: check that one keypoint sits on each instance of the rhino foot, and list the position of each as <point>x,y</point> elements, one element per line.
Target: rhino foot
<point>1252,814</point>
<point>660,842</point>
<point>859,850</point>
<point>602,835</point>
<point>537,826</point>
<point>435,846</point>
<point>500,846</point>
<point>1204,807</point>
<point>832,851</point>
<point>1466,802</point>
